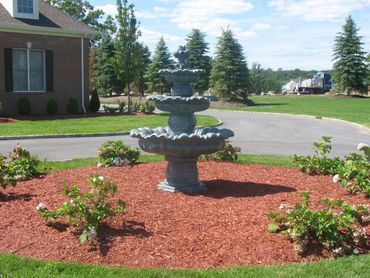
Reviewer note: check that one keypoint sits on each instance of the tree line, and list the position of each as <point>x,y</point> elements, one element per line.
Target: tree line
<point>121,64</point>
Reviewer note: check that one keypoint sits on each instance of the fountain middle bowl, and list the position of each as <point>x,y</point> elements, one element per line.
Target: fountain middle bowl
<point>179,104</point>
<point>181,76</point>
<point>162,140</point>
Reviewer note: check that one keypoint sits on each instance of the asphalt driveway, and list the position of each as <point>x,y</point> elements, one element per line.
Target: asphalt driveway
<point>255,133</point>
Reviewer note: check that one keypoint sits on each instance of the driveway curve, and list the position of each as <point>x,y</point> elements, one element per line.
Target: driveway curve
<point>255,133</point>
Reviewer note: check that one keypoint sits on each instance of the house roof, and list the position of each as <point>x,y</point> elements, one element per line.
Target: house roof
<point>52,21</point>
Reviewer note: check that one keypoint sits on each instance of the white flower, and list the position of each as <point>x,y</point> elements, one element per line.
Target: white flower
<point>92,234</point>
<point>101,178</point>
<point>285,206</point>
<point>125,162</point>
<point>41,206</point>
<point>117,161</point>
<point>336,178</point>
<point>94,179</point>
<point>362,146</point>
<point>71,201</point>
<point>99,165</point>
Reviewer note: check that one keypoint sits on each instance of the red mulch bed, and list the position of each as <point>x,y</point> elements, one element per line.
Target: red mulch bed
<point>226,226</point>
<point>7,120</point>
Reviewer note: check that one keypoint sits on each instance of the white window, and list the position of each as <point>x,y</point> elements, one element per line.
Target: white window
<point>28,70</point>
<point>25,6</point>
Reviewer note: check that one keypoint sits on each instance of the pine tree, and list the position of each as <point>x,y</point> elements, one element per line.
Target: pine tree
<point>198,58</point>
<point>126,43</point>
<point>229,75</point>
<point>350,68</point>
<point>142,61</point>
<point>161,60</point>
<point>105,77</point>
<point>257,78</point>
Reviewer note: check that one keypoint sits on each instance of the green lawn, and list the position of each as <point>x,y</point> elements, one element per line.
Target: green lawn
<point>350,109</point>
<point>15,266</point>
<point>91,124</point>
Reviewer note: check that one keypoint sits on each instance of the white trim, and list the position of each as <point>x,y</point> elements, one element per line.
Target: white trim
<point>83,76</point>
<point>34,15</point>
<point>39,30</point>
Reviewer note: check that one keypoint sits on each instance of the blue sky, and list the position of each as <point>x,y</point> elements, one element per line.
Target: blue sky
<point>285,34</point>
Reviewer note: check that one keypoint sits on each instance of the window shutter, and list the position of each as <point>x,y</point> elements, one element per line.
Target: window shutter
<point>49,70</point>
<point>8,59</point>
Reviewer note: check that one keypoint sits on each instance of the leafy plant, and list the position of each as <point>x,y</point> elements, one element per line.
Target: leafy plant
<point>336,227</point>
<point>149,106</point>
<point>24,106</point>
<point>319,163</point>
<point>228,153</point>
<point>117,153</point>
<point>72,106</point>
<point>52,107</point>
<point>110,109</point>
<point>86,209</point>
<point>19,165</point>
<point>354,174</point>
<point>121,105</point>
<point>94,103</point>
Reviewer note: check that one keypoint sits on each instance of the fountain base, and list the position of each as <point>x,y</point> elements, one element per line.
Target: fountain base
<point>182,176</point>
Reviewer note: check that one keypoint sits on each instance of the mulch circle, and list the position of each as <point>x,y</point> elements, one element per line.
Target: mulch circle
<point>7,120</point>
<point>227,226</point>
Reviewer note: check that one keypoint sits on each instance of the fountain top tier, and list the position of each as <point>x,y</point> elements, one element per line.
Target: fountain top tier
<point>182,76</point>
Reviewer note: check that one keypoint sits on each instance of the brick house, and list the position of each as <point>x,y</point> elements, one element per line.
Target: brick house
<point>44,54</point>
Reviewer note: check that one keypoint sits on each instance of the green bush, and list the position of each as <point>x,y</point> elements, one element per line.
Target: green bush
<point>319,163</point>
<point>353,172</point>
<point>20,165</point>
<point>94,104</point>
<point>72,106</point>
<point>86,209</point>
<point>52,107</point>
<point>228,153</point>
<point>121,105</point>
<point>149,106</point>
<point>337,227</point>
<point>116,153</point>
<point>24,106</point>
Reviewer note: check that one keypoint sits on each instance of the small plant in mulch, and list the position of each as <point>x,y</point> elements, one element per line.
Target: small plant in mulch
<point>86,209</point>
<point>353,172</point>
<point>338,227</point>
<point>19,165</point>
<point>116,153</point>
<point>228,153</point>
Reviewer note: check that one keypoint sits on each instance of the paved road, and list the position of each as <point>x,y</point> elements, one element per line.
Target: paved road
<point>255,133</point>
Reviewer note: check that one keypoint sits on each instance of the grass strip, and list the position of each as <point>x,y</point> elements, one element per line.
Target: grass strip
<point>353,266</point>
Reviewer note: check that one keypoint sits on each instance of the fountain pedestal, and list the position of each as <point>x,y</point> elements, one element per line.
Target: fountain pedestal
<point>181,142</point>
<point>182,176</point>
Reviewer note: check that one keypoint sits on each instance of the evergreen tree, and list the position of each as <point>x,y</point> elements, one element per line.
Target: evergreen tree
<point>257,78</point>
<point>126,44</point>
<point>368,76</point>
<point>350,68</point>
<point>229,75</point>
<point>105,77</point>
<point>161,60</point>
<point>142,61</point>
<point>198,58</point>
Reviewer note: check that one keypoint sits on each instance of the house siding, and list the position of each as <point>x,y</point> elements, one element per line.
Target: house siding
<point>66,71</point>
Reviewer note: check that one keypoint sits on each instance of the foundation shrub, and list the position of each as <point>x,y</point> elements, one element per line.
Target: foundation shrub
<point>24,106</point>
<point>52,107</point>
<point>94,103</point>
<point>72,106</point>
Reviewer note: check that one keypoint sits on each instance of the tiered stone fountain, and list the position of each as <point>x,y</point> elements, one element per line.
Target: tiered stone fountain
<point>181,142</point>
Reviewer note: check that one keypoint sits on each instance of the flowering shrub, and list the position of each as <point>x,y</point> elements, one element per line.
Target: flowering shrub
<point>353,172</point>
<point>20,165</point>
<point>229,153</point>
<point>319,163</point>
<point>116,153</point>
<point>86,209</point>
<point>336,227</point>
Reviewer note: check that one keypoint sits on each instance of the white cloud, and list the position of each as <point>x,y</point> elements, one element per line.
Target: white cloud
<point>110,9</point>
<point>151,38</point>
<point>317,10</point>
<point>261,26</point>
